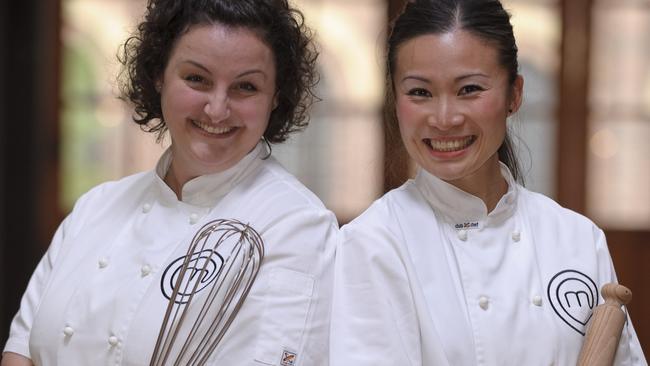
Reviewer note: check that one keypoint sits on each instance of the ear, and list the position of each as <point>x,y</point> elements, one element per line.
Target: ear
<point>517,95</point>
<point>159,84</point>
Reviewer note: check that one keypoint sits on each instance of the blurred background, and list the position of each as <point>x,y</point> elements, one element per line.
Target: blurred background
<point>583,132</point>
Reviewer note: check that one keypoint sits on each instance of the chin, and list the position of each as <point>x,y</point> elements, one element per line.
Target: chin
<point>446,173</point>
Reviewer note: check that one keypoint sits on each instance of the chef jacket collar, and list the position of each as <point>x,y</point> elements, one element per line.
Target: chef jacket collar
<point>464,210</point>
<point>206,190</point>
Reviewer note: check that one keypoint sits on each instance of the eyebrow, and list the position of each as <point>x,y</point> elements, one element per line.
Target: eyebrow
<point>457,79</point>
<point>418,78</point>
<point>480,74</point>
<point>196,64</point>
<point>253,71</point>
<point>247,72</point>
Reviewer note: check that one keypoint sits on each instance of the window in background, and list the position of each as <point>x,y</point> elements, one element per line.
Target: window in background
<point>99,140</point>
<point>339,156</point>
<point>537,27</point>
<point>618,184</point>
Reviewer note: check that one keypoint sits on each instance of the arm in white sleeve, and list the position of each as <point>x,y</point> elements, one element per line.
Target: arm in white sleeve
<point>21,325</point>
<point>629,351</point>
<point>374,320</point>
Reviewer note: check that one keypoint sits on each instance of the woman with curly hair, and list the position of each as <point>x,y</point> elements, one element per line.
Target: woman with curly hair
<point>225,79</point>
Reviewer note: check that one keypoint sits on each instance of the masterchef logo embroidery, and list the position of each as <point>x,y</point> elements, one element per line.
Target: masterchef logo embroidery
<point>203,268</point>
<point>573,295</point>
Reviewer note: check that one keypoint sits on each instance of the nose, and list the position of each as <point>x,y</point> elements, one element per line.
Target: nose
<point>217,107</point>
<point>444,115</point>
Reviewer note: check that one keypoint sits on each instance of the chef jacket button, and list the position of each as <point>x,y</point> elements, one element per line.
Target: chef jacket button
<point>537,300</point>
<point>68,331</point>
<point>483,302</point>
<point>145,270</point>
<point>194,218</point>
<point>462,235</point>
<point>516,236</point>
<point>146,207</point>
<point>103,262</point>
<point>113,341</point>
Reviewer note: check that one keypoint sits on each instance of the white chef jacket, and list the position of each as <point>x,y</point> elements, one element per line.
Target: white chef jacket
<point>96,297</point>
<point>426,276</point>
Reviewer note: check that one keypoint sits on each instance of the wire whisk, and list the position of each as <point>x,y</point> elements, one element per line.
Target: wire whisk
<point>208,291</point>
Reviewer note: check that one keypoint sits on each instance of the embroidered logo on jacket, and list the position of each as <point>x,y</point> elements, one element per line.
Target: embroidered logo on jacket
<point>467,225</point>
<point>573,296</point>
<point>288,358</point>
<point>203,268</point>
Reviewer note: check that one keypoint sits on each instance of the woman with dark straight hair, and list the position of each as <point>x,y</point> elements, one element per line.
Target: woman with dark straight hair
<point>218,256</point>
<point>462,265</point>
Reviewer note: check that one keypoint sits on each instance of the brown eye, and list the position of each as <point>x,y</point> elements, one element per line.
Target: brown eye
<point>469,89</point>
<point>418,92</point>
<point>194,79</point>
<point>248,87</point>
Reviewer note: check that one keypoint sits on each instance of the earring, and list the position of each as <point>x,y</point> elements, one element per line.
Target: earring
<point>268,146</point>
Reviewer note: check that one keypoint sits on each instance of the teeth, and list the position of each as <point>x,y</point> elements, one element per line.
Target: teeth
<point>212,129</point>
<point>450,145</point>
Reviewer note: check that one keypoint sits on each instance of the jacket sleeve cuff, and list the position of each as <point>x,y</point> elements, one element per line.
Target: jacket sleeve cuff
<point>19,346</point>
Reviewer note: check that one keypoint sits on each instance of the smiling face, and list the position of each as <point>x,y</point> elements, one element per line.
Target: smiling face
<point>452,100</point>
<point>217,93</point>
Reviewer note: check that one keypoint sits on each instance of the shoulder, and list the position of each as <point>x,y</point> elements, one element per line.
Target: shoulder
<point>272,193</point>
<point>277,186</point>
<point>124,186</point>
<point>111,194</point>
<point>545,212</point>
<point>387,211</point>
<point>381,226</point>
<point>546,206</point>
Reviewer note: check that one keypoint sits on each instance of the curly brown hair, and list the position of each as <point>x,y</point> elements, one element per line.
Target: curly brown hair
<point>145,54</point>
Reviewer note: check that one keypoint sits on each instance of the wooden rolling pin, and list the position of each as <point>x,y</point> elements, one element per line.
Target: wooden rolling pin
<point>604,331</point>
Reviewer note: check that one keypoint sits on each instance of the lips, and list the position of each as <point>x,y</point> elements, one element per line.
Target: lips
<point>450,144</point>
<point>214,130</point>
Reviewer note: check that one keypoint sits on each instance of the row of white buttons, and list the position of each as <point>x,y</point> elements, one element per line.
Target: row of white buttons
<point>484,302</point>
<point>145,270</point>
<point>462,235</point>
<point>68,331</point>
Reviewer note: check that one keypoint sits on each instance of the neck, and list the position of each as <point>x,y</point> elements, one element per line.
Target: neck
<point>487,183</point>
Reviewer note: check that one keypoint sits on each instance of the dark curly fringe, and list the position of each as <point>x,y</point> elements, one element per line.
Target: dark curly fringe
<point>144,56</point>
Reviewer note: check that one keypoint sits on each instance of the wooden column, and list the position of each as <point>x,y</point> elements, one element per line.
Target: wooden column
<point>573,104</point>
<point>630,252</point>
